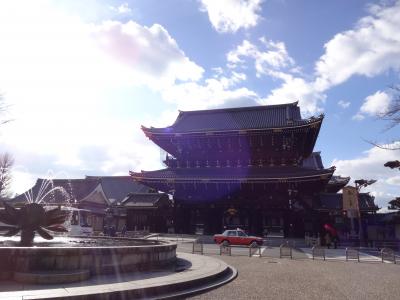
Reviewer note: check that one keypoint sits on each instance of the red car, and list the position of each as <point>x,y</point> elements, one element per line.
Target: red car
<point>237,237</point>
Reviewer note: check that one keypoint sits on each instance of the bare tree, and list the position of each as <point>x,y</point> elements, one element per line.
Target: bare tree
<point>3,110</point>
<point>6,160</point>
<point>392,115</point>
<point>6,163</point>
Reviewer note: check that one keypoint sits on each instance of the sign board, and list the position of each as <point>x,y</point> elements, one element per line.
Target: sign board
<point>352,213</point>
<point>350,199</point>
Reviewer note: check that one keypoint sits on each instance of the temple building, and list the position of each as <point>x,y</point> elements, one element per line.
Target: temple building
<point>248,167</point>
<point>123,198</point>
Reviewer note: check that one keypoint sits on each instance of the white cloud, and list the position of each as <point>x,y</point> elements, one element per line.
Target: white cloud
<point>358,117</point>
<point>231,15</point>
<point>58,73</point>
<point>277,63</point>
<point>149,52</point>
<point>370,166</point>
<point>266,62</point>
<point>122,9</point>
<point>58,81</point>
<point>369,49</point>
<point>219,91</point>
<point>376,104</point>
<point>395,180</point>
<point>344,104</point>
<point>296,89</point>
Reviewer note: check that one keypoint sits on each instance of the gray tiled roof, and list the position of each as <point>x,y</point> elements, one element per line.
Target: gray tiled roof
<point>335,201</point>
<point>314,161</point>
<point>254,117</point>
<point>116,188</point>
<point>76,189</point>
<point>144,199</point>
<point>336,183</point>
<point>232,173</point>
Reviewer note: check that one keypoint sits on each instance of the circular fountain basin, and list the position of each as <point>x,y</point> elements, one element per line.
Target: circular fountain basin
<point>70,259</point>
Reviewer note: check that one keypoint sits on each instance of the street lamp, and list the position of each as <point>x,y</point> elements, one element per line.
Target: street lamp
<point>360,183</point>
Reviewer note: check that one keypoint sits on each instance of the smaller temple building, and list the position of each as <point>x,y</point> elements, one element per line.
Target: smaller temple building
<point>105,197</point>
<point>150,212</point>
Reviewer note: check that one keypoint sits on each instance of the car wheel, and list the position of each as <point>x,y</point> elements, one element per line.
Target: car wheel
<point>225,243</point>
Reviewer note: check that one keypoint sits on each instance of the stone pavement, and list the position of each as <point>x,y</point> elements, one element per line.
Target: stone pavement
<point>302,278</point>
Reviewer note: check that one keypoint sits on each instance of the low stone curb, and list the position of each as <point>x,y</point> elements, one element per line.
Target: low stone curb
<point>203,273</point>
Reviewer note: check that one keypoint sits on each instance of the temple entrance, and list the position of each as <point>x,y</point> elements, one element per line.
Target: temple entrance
<point>273,224</point>
<point>233,218</point>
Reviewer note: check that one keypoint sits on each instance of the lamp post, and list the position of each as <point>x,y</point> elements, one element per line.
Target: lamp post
<point>292,197</point>
<point>360,183</point>
<point>109,222</point>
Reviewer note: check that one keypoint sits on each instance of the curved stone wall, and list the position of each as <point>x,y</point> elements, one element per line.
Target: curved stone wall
<point>96,260</point>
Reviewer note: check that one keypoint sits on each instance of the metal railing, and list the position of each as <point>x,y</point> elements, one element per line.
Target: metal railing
<point>318,252</point>
<point>352,254</point>
<point>388,254</point>
<point>285,250</point>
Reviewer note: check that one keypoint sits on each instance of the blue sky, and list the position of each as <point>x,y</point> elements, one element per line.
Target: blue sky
<point>82,76</point>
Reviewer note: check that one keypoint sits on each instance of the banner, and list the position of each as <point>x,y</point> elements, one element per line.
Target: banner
<point>350,201</point>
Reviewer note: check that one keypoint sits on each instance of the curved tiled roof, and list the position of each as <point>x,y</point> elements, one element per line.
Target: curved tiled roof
<point>254,117</point>
<point>144,199</point>
<point>117,187</point>
<point>226,174</point>
<point>76,189</point>
<point>314,161</point>
<point>334,201</point>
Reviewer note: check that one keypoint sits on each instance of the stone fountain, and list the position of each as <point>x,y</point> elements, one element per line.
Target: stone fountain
<point>69,259</point>
<point>94,267</point>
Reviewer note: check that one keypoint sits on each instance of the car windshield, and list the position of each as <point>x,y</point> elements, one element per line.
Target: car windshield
<point>234,233</point>
<point>241,233</point>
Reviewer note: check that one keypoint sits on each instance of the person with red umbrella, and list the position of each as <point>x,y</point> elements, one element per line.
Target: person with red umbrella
<point>331,232</point>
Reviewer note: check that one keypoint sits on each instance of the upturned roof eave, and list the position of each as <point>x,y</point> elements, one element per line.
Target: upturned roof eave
<point>255,107</point>
<point>171,131</point>
<point>326,174</point>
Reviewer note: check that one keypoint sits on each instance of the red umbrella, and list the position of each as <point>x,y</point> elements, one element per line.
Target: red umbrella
<point>330,229</point>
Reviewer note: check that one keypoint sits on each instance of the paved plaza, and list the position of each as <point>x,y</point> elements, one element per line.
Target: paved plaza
<point>270,277</point>
<point>259,277</point>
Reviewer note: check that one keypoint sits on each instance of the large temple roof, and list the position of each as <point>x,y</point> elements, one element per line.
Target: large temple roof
<point>235,174</point>
<point>336,183</point>
<point>314,161</point>
<point>254,117</point>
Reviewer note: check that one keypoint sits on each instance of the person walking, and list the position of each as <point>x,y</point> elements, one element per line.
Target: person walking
<point>328,240</point>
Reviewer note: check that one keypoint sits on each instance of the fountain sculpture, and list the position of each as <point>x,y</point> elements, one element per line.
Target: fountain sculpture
<point>69,259</point>
<point>32,218</point>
